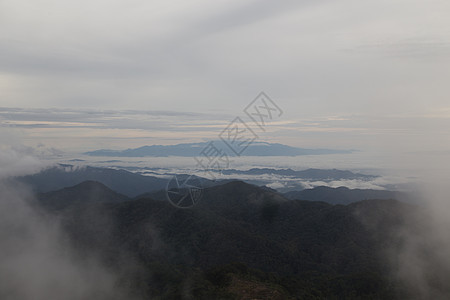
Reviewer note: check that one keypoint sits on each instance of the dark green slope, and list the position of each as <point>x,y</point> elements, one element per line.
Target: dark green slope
<point>342,195</point>
<point>83,193</point>
<point>243,237</point>
<point>121,181</point>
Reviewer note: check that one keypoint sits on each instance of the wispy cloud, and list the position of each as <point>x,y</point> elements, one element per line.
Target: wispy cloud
<point>419,47</point>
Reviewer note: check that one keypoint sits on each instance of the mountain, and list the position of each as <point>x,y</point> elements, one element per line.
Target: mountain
<point>83,193</point>
<point>194,149</point>
<point>342,195</point>
<point>121,181</point>
<point>293,180</point>
<point>245,242</point>
<point>308,174</point>
<point>133,184</point>
<point>288,179</point>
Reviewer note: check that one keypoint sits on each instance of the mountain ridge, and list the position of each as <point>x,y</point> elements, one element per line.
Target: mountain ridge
<point>194,149</point>
<point>243,232</point>
<point>83,193</point>
<point>344,195</point>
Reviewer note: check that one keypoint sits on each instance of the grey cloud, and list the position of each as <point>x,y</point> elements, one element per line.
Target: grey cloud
<point>37,262</point>
<point>97,119</point>
<point>419,47</point>
<point>246,14</point>
<point>17,159</point>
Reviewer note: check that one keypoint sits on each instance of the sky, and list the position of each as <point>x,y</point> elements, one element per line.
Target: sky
<point>371,76</point>
<point>82,75</point>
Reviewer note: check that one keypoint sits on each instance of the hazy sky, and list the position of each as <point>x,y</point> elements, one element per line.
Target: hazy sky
<point>118,74</point>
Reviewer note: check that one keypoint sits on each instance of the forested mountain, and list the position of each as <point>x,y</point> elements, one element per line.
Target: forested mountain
<point>241,242</point>
<point>121,181</point>
<point>309,174</point>
<point>343,195</point>
<point>86,192</point>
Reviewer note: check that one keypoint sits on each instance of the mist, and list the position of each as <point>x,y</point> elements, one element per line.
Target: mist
<point>37,259</point>
<point>420,261</point>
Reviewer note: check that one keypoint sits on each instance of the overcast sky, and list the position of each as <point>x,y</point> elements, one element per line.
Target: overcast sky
<point>348,74</point>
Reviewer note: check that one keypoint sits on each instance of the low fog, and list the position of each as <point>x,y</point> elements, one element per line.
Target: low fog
<point>421,261</point>
<point>37,261</point>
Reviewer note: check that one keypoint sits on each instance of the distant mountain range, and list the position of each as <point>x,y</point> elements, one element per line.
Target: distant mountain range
<point>194,149</point>
<point>343,195</point>
<point>132,184</point>
<point>309,174</point>
<point>82,193</point>
<point>121,181</point>
<point>243,242</point>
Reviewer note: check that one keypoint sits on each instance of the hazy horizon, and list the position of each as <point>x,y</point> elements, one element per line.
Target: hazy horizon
<point>80,76</point>
<point>366,76</point>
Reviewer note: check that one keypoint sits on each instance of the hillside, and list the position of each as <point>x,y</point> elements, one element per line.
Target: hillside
<point>83,193</point>
<point>242,239</point>
<point>121,181</point>
<point>342,195</point>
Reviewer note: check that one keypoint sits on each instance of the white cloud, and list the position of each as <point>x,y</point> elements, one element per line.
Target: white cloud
<point>37,261</point>
<point>202,55</point>
<point>17,159</point>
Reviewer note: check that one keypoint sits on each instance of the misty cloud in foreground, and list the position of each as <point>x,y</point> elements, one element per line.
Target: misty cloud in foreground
<point>37,261</point>
<point>418,255</point>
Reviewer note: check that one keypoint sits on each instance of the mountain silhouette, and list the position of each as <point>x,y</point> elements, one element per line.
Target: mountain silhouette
<point>240,239</point>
